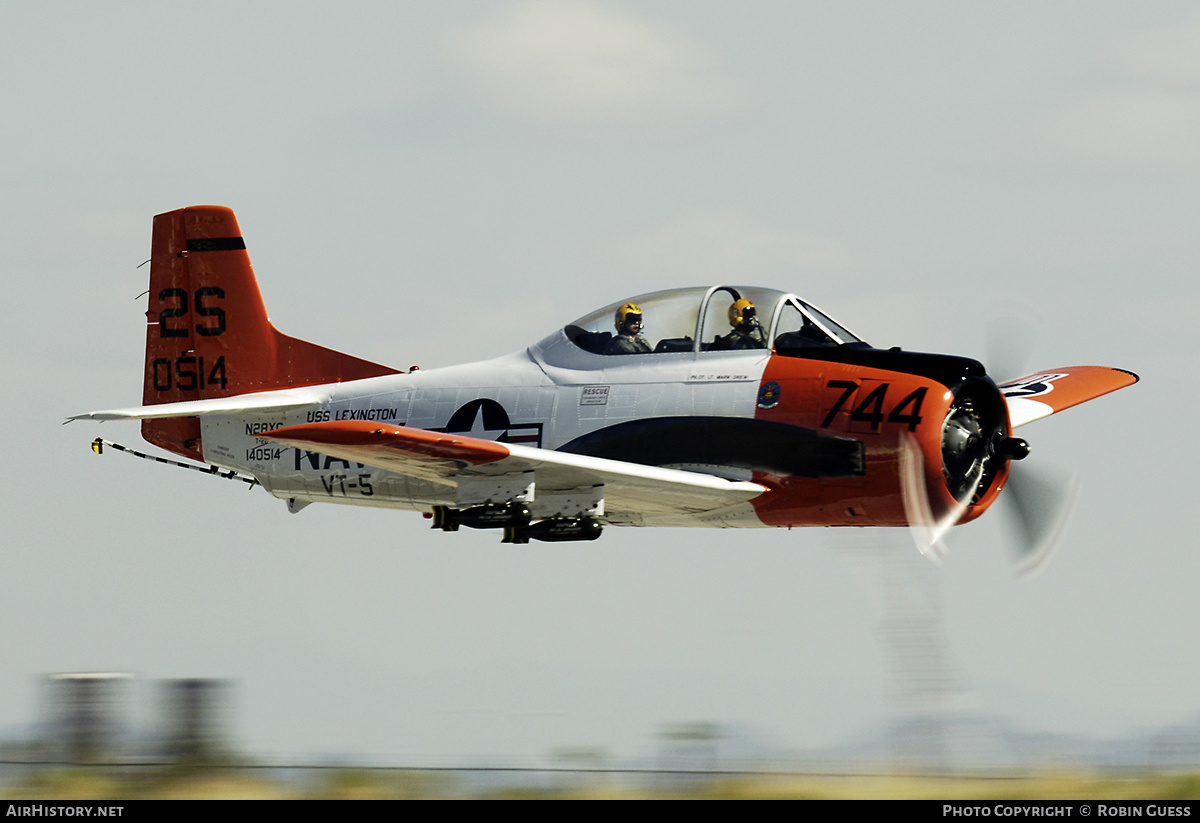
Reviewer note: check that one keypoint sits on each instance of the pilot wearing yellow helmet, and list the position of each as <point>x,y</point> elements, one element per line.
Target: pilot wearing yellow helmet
<point>747,332</point>
<point>629,326</point>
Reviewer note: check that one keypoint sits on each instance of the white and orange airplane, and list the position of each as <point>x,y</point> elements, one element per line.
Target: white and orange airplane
<point>747,407</point>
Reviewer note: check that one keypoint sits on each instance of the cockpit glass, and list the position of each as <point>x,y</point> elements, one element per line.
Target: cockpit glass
<point>738,319</point>
<point>668,324</point>
<point>735,319</point>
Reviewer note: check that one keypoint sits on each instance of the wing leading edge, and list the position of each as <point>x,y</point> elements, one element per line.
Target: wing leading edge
<point>454,459</point>
<point>271,401</point>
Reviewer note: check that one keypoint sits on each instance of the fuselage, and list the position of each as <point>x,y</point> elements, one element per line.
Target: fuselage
<point>821,424</point>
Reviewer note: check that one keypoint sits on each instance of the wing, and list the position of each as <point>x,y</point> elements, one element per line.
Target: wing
<point>1047,392</point>
<point>454,460</point>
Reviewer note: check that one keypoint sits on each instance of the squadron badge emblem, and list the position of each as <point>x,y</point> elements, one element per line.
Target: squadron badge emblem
<point>768,395</point>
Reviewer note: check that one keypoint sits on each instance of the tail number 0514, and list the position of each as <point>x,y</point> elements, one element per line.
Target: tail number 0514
<point>186,373</point>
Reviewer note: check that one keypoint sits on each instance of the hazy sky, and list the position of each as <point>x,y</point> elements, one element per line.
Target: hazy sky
<point>431,183</point>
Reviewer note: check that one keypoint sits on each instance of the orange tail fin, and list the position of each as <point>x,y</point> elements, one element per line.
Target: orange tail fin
<point>207,332</point>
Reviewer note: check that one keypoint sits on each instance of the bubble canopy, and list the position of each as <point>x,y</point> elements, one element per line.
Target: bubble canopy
<point>699,320</point>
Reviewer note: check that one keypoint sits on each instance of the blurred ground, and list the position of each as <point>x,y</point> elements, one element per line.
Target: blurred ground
<point>355,784</point>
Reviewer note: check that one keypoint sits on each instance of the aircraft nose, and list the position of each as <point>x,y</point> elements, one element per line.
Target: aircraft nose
<point>973,433</point>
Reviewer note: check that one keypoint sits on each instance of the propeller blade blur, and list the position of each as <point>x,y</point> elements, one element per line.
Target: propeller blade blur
<point>1040,504</point>
<point>1010,342</point>
<point>925,530</point>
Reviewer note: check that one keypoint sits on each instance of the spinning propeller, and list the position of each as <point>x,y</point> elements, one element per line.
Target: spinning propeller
<point>976,446</point>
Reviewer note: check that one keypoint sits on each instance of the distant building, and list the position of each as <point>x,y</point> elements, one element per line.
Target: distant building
<point>87,717</point>
<point>196,719</point>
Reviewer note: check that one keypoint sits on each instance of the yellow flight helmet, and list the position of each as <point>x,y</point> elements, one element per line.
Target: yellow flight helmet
<point>625,312</point>
<point>741,311</point>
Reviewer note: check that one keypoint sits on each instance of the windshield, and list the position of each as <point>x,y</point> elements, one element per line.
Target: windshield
<point>800,326</point>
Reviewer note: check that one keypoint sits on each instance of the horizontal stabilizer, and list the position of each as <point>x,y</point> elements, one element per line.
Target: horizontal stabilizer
<point>448,458</point>
<point>287,400</point>
<point>1048,392</point>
